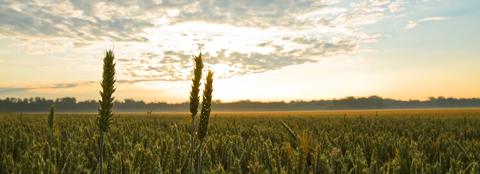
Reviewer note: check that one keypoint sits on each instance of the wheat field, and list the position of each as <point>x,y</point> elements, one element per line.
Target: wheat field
<point>384,141</point>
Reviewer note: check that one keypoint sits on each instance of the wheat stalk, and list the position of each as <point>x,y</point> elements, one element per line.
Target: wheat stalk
<point>50,117</point>
<point>105,114</point>
<point>204,115</point>
<point>194,102</point>
<point>292,133</point>
<point>206,107</point>
<point>50,123</point>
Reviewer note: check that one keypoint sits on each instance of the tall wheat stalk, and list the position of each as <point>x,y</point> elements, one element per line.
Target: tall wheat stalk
<point>51,115</point>
<point>105,114</point>
<point>194,102</point>
<point>204,115</point>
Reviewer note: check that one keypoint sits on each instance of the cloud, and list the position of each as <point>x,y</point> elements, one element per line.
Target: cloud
<point>11,90</point>
<point>412,24</point>
<point>397,6</point>
<point>435,18</point>
<point>53,86</point>
<point>258,13</point>
<point>69,19</point>
<point>66,85</point>
<point>158,38</point>
<point>174,65</point>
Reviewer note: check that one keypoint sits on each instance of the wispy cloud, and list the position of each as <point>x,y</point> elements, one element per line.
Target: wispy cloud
<point>434,18</point>
<point>412,24</point>
<point>13,89</point>
<point>238,37</point>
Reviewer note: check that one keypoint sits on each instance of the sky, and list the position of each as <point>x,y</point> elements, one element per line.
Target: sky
<point>262,50</point>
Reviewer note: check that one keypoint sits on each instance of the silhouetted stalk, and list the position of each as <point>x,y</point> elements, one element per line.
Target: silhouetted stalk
<point>194,102</point>
<point>105,114</point>
<point>50,117</point>
<point>50,122</point>
<point>204,115</point>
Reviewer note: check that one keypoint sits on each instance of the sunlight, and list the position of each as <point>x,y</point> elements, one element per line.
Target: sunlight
<point>220,70</point>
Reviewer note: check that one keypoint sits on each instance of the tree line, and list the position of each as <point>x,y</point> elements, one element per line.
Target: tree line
<point>71,104</point>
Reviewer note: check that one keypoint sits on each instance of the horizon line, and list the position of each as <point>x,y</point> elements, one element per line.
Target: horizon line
<point>260,101</point>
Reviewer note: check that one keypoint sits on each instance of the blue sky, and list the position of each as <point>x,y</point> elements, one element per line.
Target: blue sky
<point>267,50</point>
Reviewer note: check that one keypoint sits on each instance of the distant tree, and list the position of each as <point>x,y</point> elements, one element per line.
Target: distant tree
<point>70,104</point>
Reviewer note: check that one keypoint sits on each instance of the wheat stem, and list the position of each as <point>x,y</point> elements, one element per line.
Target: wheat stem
<point>105,114</point>
<point>50,117</point>
<point>194,102</point>
<point>50,122</point>
<point>204,115</point>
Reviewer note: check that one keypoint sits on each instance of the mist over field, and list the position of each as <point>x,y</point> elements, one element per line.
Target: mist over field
<point>70,104</point>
